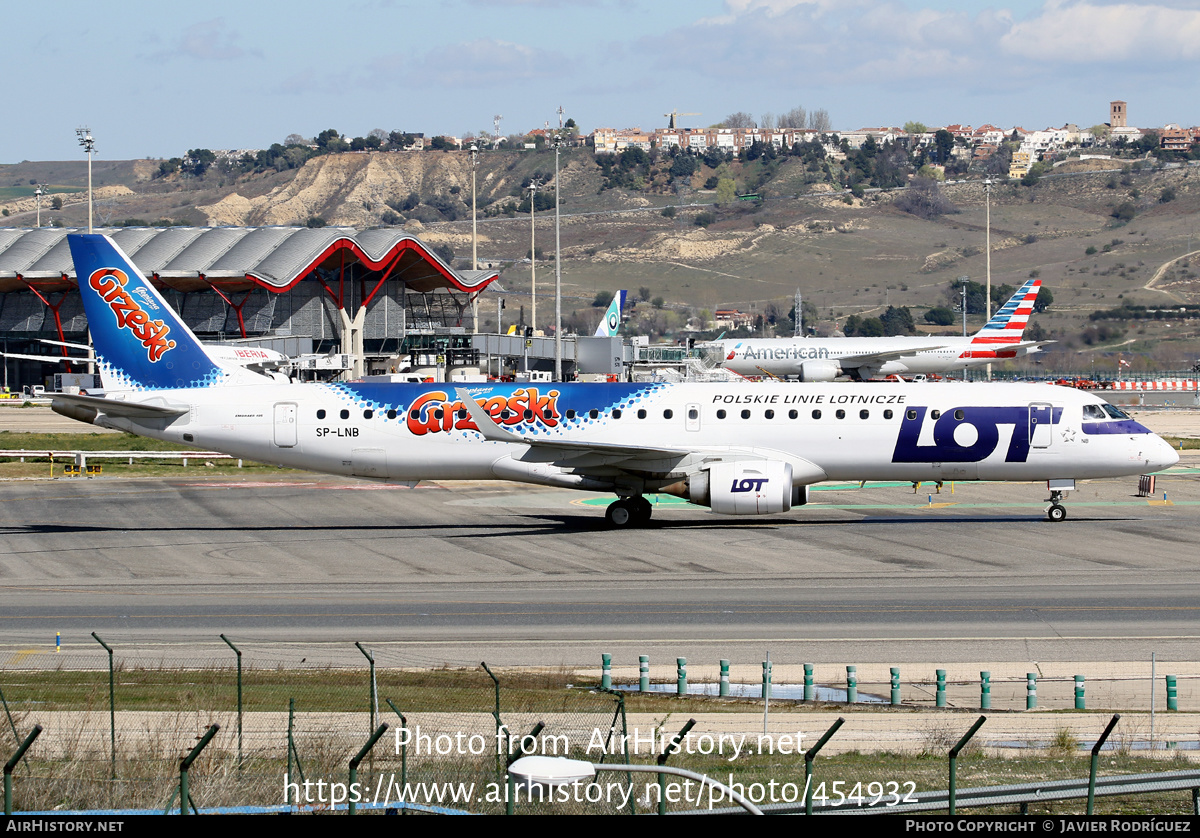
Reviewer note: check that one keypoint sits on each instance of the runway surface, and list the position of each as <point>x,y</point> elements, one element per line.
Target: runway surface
<point>456,572</point>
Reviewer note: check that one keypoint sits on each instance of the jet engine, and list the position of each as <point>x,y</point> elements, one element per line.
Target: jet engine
<point>819,370</point>
<point>751,487</point>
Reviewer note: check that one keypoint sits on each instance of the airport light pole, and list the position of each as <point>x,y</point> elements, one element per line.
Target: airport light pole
<point>557,270</point>
<point>987,192</point>
<point>89,145</point>
<point>533,187</point>
<point>38,193</point>
<point>474,241</point>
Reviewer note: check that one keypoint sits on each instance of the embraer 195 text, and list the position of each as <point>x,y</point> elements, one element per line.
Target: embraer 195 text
<point>825,359</point>
<point>739,449</point>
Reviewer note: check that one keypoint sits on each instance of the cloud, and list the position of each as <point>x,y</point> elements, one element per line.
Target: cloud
<point>480,63</point>
<point>210,40</point>
<point>1091,32</point>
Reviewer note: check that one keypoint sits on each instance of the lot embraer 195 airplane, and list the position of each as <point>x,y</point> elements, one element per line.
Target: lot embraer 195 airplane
<point>825,359</point>
<point>738,449</point>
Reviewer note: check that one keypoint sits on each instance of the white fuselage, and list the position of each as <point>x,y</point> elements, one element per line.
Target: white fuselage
<point>844,431</point>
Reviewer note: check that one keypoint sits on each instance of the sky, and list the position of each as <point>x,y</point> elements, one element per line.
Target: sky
<point>154,79</point>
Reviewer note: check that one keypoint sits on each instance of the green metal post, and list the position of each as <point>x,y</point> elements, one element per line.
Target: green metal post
<point>373,700</point>
<point>403,745</point>
<point>366,749</point>
<point>724,690</point>
<point>766,682</point>
<point>533,734</point>
<point>809,756</point>
<point>681,676</point>
<point>1030,690</point>
<point>851,684</point>
<point>1096,759</point>
<point>985,691</point>
<point>112,711</point>
<point>941,688</point>
<point>500,728</point>
<point>954,752</point>
<point>605,672</point>
<point>895,686</point>
<point>662,760</point>
<point>8,715</point>
<point>185,797</point>
<point>238,652</point>
<point>1080,699</point>
<point>12,763</point>
<point>809,691</point>
<point>1172,693</point>
<point>643,673</point>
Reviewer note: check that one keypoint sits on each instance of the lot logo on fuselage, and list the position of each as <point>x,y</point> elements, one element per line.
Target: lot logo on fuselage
<point>434,412</point>
<point>986,422</point>
<point>110,283</point>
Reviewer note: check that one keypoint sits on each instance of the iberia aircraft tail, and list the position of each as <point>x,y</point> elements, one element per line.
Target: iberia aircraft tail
<point>612,318</point>
<point>141,344</point>
<point>1000,337</point>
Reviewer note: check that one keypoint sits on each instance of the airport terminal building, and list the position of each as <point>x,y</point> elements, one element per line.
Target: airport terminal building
<point>359,297</point>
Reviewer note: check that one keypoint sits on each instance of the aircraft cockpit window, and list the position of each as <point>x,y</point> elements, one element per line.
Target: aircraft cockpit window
<point>1094,411</point>
<point>345,414</point>
<point>616,414</point>
<point>720,414</point>
<point>745,414</point>
<point>321,414</point>
<point>1116,412</point>
<point>367,414</point>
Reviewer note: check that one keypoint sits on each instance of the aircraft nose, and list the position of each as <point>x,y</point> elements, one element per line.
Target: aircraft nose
<point>1159,455</point>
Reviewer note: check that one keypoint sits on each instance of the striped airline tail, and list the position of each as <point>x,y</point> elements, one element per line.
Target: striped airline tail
<point>1010,320</point>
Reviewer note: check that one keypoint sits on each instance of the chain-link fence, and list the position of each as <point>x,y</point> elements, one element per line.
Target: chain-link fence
<point>292,718</point>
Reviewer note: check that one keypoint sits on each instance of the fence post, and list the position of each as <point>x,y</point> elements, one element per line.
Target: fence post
<point>941,688</point>
<point>185,797</point>
<point>954,752</point>
<point>1096,758</point>
<point>662,760</point>
<point>403,744</point>
<point>809,691</point>
<point>112,711</point>
<point>766,680</point>
<point>1080,699</point>
<point>985,691</point>
<point>238,652</point>
<point>809,756</point>
<point>643,673</point>
<point>605,672</point>
<point>1172,693</point>
<point>500,728</point>
<point>379,731</point>
<point>681,676</point>
<point>851,684</point>
<point>895,686</point>
<point>1030,690</point>
<point>724,689</point>
<point>12,763</point>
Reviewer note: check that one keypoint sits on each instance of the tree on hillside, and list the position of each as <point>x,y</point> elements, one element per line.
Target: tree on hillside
<point>797,117</point>
<point>924,199</point>
<point>916,128</point>
<point>740,119</point>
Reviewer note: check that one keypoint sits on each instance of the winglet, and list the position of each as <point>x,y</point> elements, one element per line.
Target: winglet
<point>483,421</point>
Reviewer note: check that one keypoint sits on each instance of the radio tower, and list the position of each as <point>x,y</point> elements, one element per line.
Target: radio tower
<point>560,116</point>
<point>496,123</point>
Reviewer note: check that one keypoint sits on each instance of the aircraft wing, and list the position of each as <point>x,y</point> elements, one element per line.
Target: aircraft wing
<point>876,358</point>
<point>115,407</point>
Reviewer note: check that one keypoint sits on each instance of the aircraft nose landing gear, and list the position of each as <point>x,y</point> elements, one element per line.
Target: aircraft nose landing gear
<point>1056,511</point>
<point>628,512</point>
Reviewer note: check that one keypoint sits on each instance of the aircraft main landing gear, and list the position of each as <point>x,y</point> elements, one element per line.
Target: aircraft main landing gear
<point>1056,511</point>
<point>628,512</point>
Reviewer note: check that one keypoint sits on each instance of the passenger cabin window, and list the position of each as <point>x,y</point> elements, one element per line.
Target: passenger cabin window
<point>959,415</point>
<point>841,414</point>
<point>770,414</point>
<point>864,414</point>
<point>391,414</point>
<point>720,414</point>
<point>887,414</point>
<point>593,413</point>
<point>911,415</point>
<point>693,413</point>
<point>616,413</point>
<point>345,414</point>
<point>745,414</point>
<point>792,414</point>
<point>641,414</point>
<point>321,414</point>
<point>935,414</point>
<point>570,414</point>
<point>668,413</point>
<point>816,414</point>
<point>367,414</point>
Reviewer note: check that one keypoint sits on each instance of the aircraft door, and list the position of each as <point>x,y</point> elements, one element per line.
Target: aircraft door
<point>692,417</point>
<point>285,424</point>
<point>1041,431</point>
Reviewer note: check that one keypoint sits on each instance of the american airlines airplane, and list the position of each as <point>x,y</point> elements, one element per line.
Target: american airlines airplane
<point>738,450</point>
<point>825,359</point>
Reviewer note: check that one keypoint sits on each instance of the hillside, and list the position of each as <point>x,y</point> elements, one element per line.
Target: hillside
<point>845,255</point>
